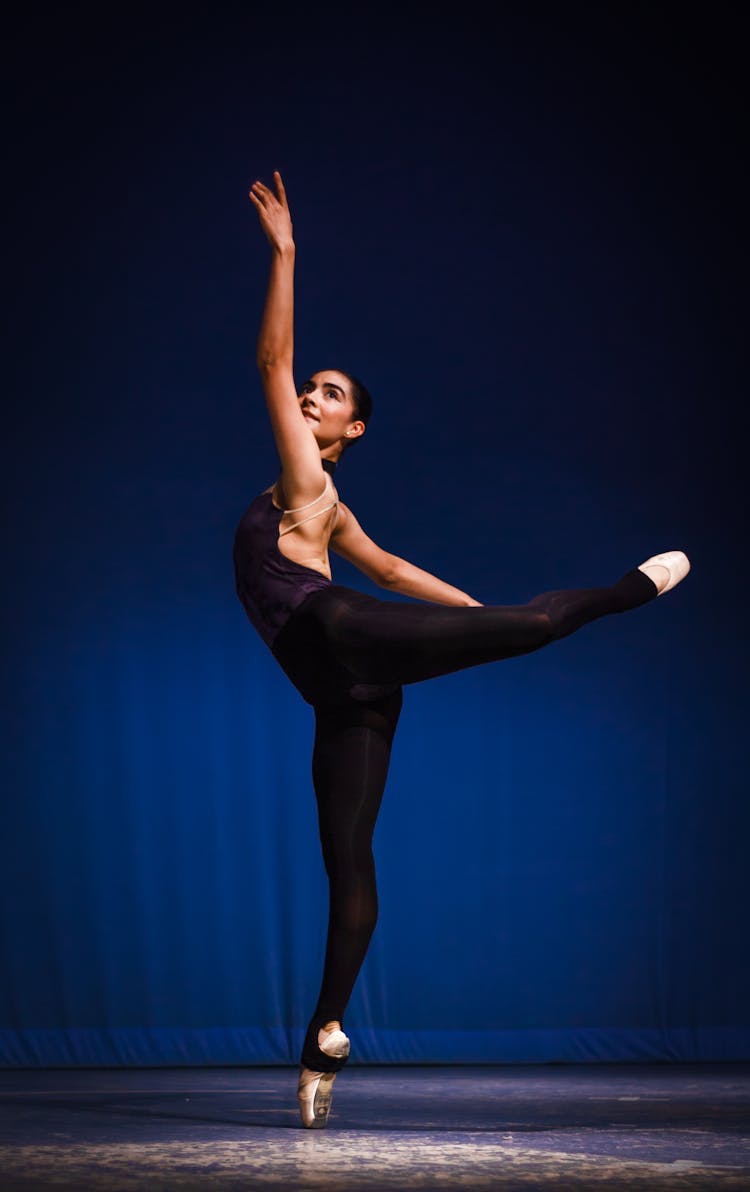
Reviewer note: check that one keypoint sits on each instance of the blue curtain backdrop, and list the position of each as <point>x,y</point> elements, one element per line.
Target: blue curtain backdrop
<point>525,238</point>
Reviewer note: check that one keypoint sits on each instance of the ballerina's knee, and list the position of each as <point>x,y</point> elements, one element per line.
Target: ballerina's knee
<point>542,626</point>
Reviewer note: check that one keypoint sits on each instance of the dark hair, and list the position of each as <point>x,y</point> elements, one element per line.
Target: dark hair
<point>362,403</point>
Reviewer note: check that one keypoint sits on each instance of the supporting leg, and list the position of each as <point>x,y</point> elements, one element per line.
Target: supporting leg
<point>350,766</point>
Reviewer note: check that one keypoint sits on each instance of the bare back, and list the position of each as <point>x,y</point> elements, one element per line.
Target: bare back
<point>304,532</point>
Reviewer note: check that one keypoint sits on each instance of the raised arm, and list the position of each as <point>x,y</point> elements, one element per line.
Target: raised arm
<point>298,450</point>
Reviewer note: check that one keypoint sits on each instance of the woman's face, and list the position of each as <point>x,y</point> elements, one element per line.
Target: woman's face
<point>328,407</point>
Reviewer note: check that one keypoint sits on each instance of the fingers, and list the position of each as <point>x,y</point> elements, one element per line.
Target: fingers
<point>261,193</point>
<point>280,188</point>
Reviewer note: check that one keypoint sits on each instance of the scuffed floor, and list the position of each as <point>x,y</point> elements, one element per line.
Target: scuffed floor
<point>532,1126</point>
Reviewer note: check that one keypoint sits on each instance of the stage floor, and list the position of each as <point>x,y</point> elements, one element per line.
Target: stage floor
<point>634,1126</point>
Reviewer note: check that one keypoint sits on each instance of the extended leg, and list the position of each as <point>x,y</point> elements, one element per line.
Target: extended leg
<point>350,765</point>
<point>383,641</point>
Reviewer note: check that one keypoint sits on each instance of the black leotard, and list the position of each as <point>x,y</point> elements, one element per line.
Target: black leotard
<point>270,586</point>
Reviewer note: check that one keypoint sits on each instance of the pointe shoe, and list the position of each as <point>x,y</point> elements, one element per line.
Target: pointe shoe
<point>315,1089</point>
<point>314,1093</point>
<point>676,563</point>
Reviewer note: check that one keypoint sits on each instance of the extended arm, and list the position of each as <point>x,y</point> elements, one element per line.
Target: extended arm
<point>389,571</point>
<point>300,457</point>
<point>412,581</point>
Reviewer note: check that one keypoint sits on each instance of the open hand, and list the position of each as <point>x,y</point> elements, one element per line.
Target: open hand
<point>273,211</point>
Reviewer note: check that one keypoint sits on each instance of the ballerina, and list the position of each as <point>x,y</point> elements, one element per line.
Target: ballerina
<point>349,654</point>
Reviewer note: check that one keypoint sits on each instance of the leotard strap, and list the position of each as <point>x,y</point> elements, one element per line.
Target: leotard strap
<point>300,508</point>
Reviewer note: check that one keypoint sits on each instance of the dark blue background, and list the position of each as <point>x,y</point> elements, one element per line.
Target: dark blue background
<point>526,235</point>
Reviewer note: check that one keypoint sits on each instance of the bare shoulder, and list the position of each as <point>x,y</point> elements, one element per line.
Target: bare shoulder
<point>344,514</point>
<point>347,525</point>
<point>293,488</point>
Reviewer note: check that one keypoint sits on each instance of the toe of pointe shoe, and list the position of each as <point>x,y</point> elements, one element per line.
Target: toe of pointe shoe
<point>676,563</point>
<point>314,1094</point>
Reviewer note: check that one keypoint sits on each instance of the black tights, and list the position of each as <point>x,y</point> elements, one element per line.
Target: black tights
<point>348,654</point>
